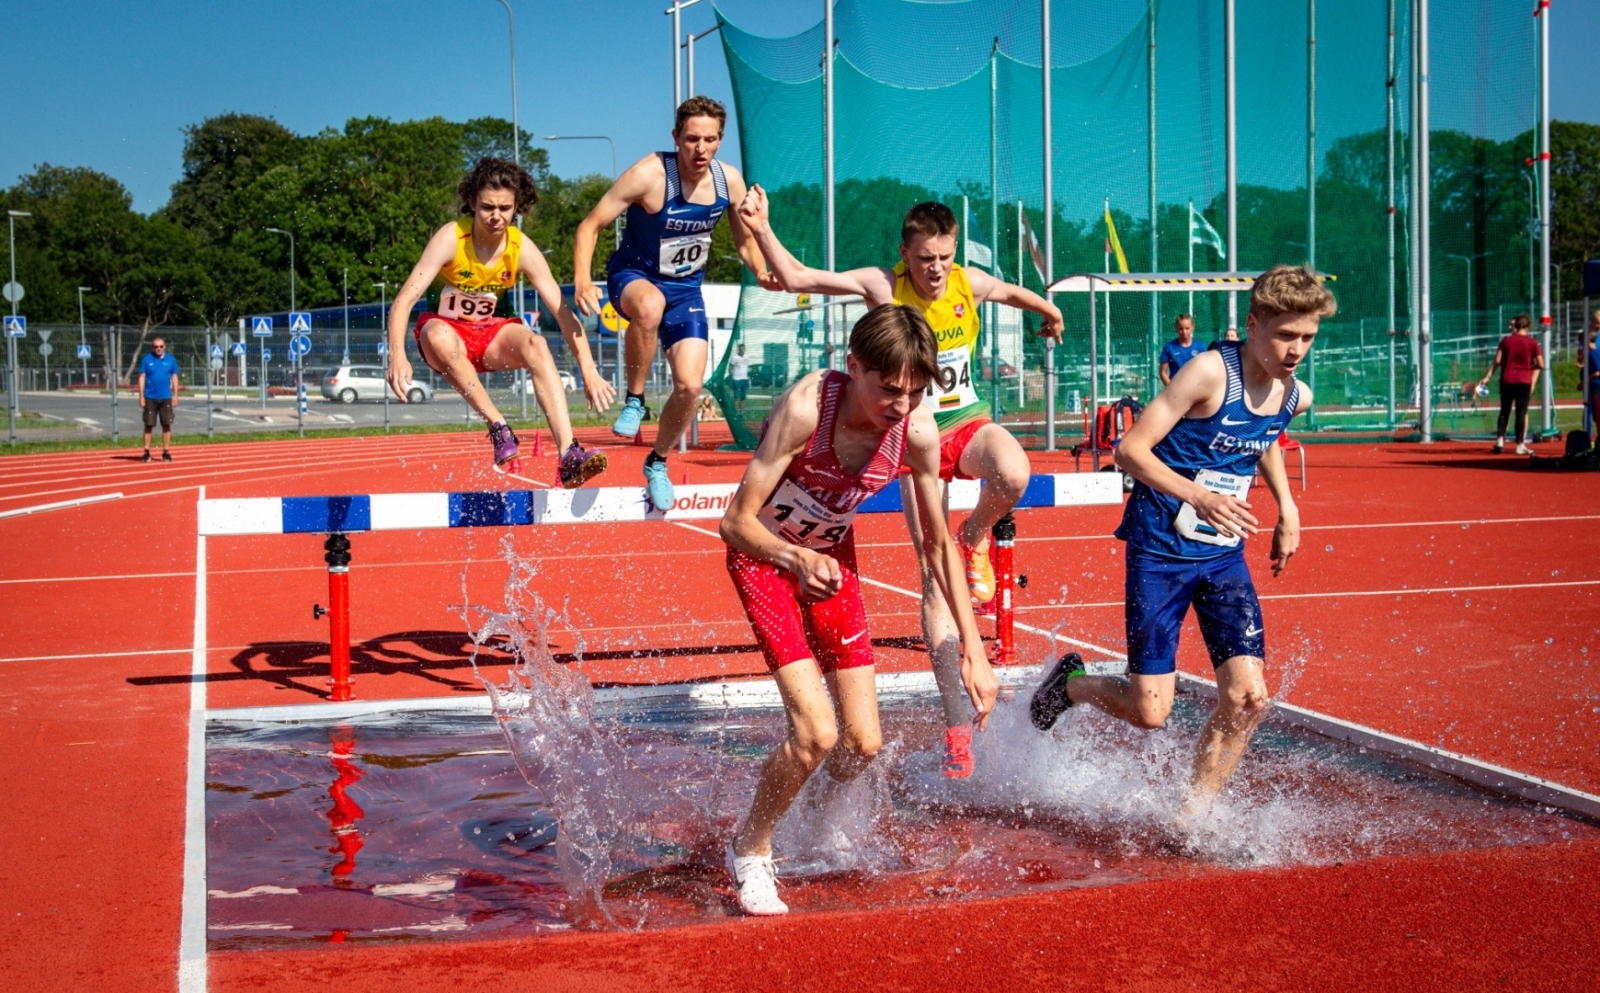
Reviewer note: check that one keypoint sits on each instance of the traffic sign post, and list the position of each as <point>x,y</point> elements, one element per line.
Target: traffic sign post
<point>300,322</point>
<point>16,326</point>
<point>261,327</point>
<point>83,353</point>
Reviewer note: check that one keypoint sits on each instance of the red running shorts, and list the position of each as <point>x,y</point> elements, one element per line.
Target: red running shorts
<point>476,337</point>
<point>790,628</point>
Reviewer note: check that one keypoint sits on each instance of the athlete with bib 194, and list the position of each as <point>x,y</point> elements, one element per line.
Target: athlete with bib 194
<point>971,446</point>
<point>833,440</point>
<point>480,257</point>
<point>673,201</point>
<point>1193,455</point>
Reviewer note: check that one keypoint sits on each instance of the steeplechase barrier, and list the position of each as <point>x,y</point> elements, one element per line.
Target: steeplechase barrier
<point>338,517</point>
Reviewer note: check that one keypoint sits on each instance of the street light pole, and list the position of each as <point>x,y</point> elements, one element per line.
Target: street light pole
<point>12,408</point>
<point>299,381</point>
<point>1468,260</point>
<point>346,360</point>
<point>689,46</point>
<point>383,321</point>
<point>676,13</point>
<point>82,339</point>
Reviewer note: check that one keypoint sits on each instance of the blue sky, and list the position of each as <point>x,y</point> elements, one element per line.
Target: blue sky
<point>110,85</point>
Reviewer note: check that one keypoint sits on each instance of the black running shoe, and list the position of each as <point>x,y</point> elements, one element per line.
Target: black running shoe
<point>166,456</point>
<point>1050,700</point>
<point>146,457</point>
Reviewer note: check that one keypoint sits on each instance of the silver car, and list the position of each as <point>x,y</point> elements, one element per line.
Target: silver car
<point>349,383</point>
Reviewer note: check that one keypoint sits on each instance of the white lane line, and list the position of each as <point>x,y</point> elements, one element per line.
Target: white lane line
<point>60,505</point>
<point>192,933</point>
<point>1462,521</point>
<point>1428,590</point>
<point>97,655</point>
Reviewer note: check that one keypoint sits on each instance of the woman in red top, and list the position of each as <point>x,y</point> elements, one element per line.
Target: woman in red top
<point>1519,360</point>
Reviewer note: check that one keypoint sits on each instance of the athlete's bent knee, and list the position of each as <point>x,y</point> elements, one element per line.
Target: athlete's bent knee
<point>647,312</point>
<point>689,388</point>
<point>537,349</point>
<point>1151,715</point>
<point>863,743</point>
<point>812,745</point>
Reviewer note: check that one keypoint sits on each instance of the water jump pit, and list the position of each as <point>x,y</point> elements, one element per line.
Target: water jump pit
<point>567,807</point>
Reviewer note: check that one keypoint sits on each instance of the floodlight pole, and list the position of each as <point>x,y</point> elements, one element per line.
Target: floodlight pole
<point>676,13</point>
<point>1548,395</point>
<point>1389,91</point>
<point>828,261</point>
<point>1230,141</point>
<point>1050,242</point>
<point>12,407</point>
<point>1311,134</point>
<point>688,45</point>
<point>1423,208</point>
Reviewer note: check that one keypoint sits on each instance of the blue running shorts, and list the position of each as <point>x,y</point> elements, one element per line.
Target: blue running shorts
<point>685,314</point>
<point>1159,592</point>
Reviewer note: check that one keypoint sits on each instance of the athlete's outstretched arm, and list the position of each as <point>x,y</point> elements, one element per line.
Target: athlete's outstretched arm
<point>440,251</point>
<point>793,421</point>
<point>922,455</point>
<point>630,187</point>
<point>749,251</point>
<point>1198,388</point>
<point>986,287</point>
<point>596,390</point>
<point>792,276</point>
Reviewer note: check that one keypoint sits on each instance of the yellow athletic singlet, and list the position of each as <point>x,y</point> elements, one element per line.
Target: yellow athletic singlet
<point>954,398</point>
<point>470,295</point>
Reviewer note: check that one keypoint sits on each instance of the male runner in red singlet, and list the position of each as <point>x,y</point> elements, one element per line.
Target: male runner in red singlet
<point>477,256</point>
<point>971,445</point>
<point>831,442</point>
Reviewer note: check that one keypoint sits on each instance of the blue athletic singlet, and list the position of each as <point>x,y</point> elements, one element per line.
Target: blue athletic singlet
<point>1229,443</point>
<point>674,243</point>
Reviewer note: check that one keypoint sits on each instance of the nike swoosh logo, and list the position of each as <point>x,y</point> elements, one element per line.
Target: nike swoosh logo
<point>846,641</point>
<point>675,213</point>
<point>1251,632</point>
<point>1233,424</point>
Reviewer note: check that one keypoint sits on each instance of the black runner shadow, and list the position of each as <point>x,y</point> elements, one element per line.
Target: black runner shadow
<point>429,655</point>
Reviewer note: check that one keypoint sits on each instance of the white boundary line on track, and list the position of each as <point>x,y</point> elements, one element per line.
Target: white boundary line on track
<point>192,970</point>
<point>59,505</point>
<point>99,655</point>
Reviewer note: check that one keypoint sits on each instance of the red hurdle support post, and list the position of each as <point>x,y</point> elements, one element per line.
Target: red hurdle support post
<point>338,558</point>
<point>1004,536</point>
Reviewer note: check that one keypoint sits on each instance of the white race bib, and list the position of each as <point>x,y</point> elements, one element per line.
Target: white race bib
<point>952,389</point>
<point>685,254</point>
<point>459,305</point>
<point>800,519</point>
<point>1189,523</point>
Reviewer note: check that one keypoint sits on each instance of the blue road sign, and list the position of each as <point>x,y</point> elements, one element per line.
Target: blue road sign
<point>531,319</point>
<point>83,351</point>
<point>261,327</point>
<point>383,348</point>
<point>266,355</point>
<point>299,321</point>
<point>237,349</point>
<point>16,327</point>
<point>299,345</point>
<point>216,351</point>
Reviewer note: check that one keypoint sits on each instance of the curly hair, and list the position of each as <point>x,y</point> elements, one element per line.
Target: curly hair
<point>497,174</point>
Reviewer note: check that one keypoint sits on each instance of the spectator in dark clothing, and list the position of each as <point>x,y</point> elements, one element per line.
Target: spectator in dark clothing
<point>1520,361</point>
<point>1591,370</point>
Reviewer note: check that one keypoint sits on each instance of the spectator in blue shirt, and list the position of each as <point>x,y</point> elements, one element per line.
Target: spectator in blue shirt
<point>158,395</point>
<point>1592,371</point>
<point>1179,350</point>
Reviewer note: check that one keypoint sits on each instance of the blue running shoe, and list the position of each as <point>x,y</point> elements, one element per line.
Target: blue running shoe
<point>633,414</point>
<point>658,485</point>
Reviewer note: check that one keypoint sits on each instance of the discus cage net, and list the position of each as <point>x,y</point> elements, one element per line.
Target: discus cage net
<point>942,101</point>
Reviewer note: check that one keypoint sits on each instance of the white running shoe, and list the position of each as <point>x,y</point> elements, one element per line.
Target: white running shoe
<point>757,882</point>
<point>1523,449</point>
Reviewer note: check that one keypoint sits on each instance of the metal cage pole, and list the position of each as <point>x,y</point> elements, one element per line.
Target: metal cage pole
<point>1155,234</point>
<point>1389,95</point>
<point>1548,394</point>
<point>1231,128</point>
<point>1311,134</point>
<point>1424,241</point>
<point>1050,240</point>
<point>828,260</point>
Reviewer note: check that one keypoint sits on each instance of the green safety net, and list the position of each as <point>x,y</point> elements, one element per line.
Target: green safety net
<point>942,100</point>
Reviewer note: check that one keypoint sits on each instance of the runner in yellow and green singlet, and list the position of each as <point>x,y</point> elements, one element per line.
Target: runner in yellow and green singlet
<point>971,446</point>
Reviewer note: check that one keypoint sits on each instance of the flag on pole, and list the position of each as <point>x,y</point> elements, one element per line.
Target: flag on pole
<point>977,252</point>
<point>1034,251</point>
<point>1202,233</point>
<point>1116,245</point>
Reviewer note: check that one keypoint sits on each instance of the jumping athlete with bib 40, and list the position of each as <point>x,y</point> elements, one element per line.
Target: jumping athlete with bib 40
<point>479,257</point>
<point>971,445</point>
<point>1192,455</point>
<point>831,442</point>
<point>673,200</point>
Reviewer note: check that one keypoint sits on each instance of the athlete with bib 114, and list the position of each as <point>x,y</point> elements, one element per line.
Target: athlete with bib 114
<point>971,446</point>
<point>1193,455</point>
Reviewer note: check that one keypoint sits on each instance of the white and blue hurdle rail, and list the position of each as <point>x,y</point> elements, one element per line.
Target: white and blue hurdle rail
<point>340,516</point>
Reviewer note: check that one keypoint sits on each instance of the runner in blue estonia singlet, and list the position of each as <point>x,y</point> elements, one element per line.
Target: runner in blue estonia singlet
<point>670,248</point>
<point>1175,559</point>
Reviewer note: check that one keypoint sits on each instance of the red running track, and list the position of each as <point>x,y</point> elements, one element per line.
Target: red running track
<point>1457,605</point>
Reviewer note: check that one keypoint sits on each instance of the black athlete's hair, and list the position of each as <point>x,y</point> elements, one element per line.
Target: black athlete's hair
<point>497,174</point>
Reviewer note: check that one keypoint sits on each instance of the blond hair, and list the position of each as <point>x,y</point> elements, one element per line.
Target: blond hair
<point>1290,289</point>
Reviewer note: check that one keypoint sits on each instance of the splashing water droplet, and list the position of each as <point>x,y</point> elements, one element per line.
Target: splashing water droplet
<point>1327,548</point>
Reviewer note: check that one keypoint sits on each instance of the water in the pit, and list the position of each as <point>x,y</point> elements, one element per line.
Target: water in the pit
<point>421,826</point>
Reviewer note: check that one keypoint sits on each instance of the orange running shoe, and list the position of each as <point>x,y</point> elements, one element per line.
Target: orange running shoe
<point>958,751</point>
<point>980,571</point>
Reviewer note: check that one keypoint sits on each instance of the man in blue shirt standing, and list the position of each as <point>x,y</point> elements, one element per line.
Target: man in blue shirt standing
<point>1179,350</point>
<point>158,395</point>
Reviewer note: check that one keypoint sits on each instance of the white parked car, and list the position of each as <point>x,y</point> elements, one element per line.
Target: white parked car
<point>349,383</point>
<point>569,383</point>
